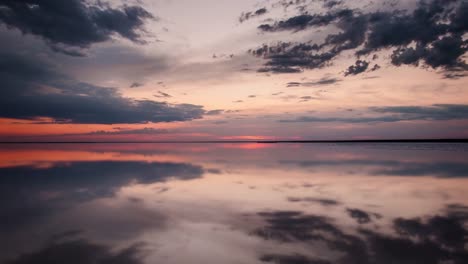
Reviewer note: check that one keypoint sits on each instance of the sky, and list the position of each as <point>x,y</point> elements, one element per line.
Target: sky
<point>123,70</point>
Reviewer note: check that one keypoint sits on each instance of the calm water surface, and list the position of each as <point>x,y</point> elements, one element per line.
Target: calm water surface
<point>234,203</point>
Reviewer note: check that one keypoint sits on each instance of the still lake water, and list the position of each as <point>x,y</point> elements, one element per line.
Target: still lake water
<point>234,203</point>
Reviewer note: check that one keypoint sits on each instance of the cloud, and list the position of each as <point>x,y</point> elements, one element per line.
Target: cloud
<point>331,3</point>
<point>136,84</point>
<point>286,57</point>
<point>434,112</point>
<point>320,82</point>
<point>248,15</point>
<point>287,3</point>
<point>359,67</point>
<point>306,98</point>
<point>74,23</point>
<point>455,75</point>
<point>121,131</point>
<point>304,21</point>
<point>361,216</point>
<point>440,112</point>
<point>162,95</point>
<point>215,112</point>
<point>432,34</point>
<point>34,89</point>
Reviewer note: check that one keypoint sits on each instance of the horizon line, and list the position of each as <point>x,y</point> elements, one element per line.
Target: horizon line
<point>441,140</point>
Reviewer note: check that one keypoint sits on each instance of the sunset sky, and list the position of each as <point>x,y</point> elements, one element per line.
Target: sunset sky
<point>144,70</point>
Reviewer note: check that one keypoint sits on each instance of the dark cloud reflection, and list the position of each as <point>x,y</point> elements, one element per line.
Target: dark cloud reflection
<point>80,251</point>
<point>29,194</point>
<point>437,239</point>
<point>441,169</point>
<point>286,204</point>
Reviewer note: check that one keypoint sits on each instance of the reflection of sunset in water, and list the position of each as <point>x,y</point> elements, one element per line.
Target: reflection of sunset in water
<point>228,203</point>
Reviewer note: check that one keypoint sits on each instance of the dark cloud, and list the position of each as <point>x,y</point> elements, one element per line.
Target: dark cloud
<point>249,15</point>
<point>80,251</point>
<point>331,3</point>
<point>287,3</point>
<point>375,67</point>
<point>432,34</point>
<point>361,216</point>
<point>304,21</point>
<point>305,98</point>
<point>280,70</point>
<point>359,67</point>
<point>310,119</point>
<point>320,82</point>
<point>455,75</point>
<point>287,57</point>
<point>214,112</point>
<point>438,112</point>
<point>142,131</point>
<point>33,89</point>
<point>434,112</point>
<point>291,259</point>
<point>294,84</point>
<point>136,84</point>
<point>74,23</point>
<point>162,95</point>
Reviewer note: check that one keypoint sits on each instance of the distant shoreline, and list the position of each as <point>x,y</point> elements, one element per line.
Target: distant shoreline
<point>462,140</point>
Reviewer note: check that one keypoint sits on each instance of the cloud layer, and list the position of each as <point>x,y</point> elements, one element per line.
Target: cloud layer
<point>73,23</point>
<point>431,34</point>
<point>439,112</point>
<point>33,89</point>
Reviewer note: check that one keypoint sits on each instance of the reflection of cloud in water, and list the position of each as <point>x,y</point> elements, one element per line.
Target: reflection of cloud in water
<point>391,167</point>
<point>308,212</point>
<point>79,251</point>
<point>33,198</point>
<point>436,239</point>
<point>321,201</point>
<point>291,259</point>
<point>27,194</point>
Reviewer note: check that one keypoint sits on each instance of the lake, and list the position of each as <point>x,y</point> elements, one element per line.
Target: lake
<point>234,203</point>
